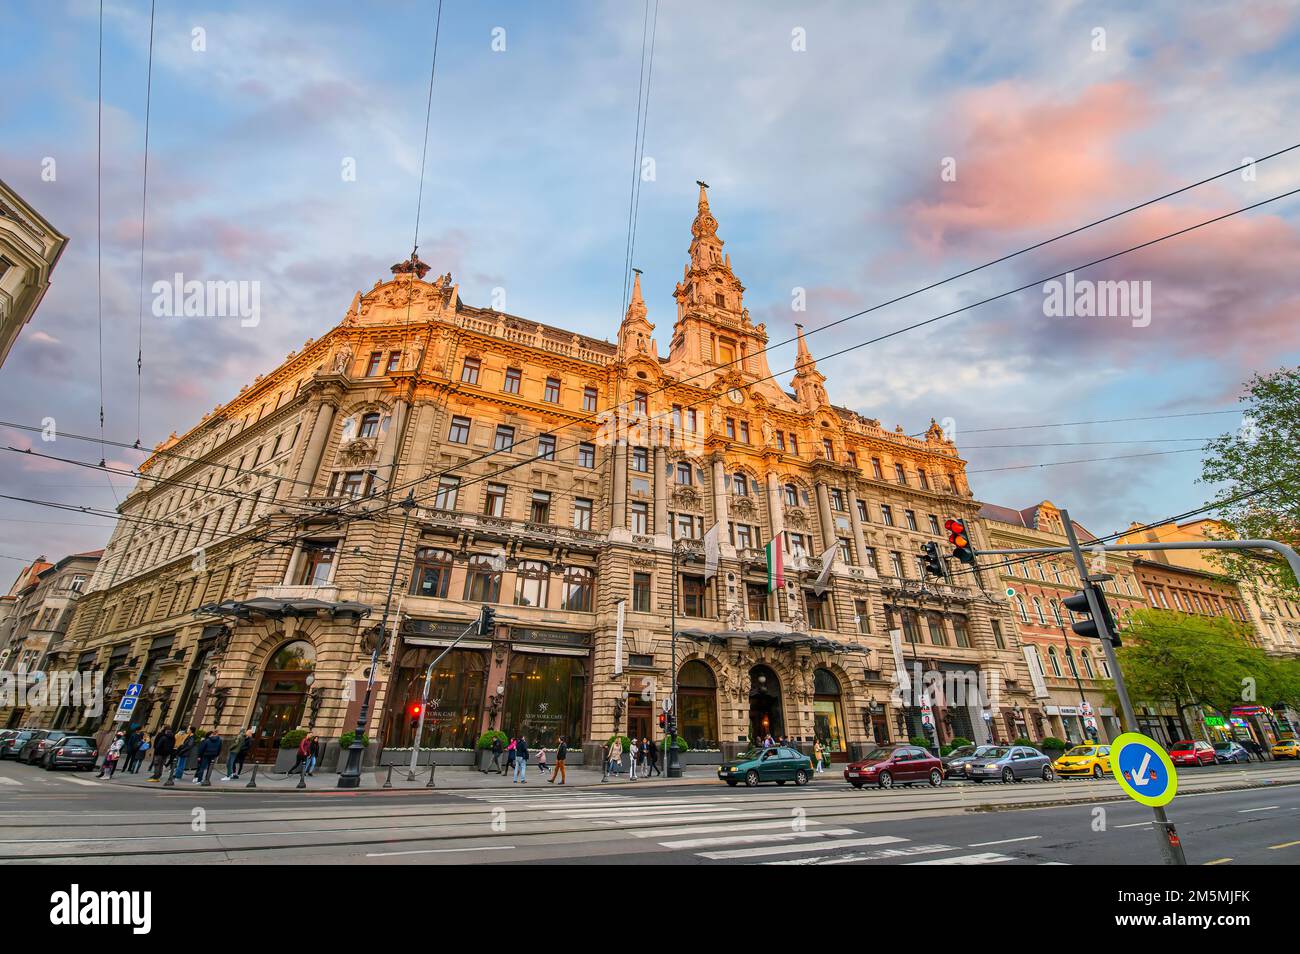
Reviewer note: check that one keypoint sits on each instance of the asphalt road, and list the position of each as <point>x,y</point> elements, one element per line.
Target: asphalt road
<point>61,818</point>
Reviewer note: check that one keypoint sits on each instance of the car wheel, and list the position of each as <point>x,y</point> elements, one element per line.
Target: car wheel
<point>751,778</point>
<point>1097,772</point>
<point>886,780</point>
<point>936,778</point>
<point>732,782</point>
<point>801,777</point>
<point>1008,775</point>
<point>1048,774</point>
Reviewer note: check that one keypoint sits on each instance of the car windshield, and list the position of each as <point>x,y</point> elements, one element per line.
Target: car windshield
<point>1223,746</point>
<point>878,755</point>
<point>1182,744</point>
<point>995,752</point>
<point>1083,750</point>
<point>962,751</point>
<point>77,743</point>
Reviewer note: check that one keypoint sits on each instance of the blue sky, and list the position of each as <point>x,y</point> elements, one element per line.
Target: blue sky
<point>825,172</point>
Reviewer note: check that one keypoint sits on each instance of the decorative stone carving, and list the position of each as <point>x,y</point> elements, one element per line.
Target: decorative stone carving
<point>687,497</point>
<point>796,518</point>
<point>343,360</point>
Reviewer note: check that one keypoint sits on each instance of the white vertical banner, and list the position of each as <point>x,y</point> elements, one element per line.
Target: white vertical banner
<point>1035,671</point>
<point>904,688</point>
<point>828,563</point>
<point>711,551</point>
<point>618,639</point>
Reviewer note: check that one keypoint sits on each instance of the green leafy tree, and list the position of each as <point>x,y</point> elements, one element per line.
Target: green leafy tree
<point>1191,661</point>
<point>1261,458</point>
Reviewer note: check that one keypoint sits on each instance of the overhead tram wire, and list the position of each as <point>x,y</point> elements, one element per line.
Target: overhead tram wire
<point>1105,420</point>
<point>638,145</point>
<point>144,205</point>
<point>99,227</point>
<point>920,324</point>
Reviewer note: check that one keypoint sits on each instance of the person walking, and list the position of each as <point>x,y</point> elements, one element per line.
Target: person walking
<point>301,755</point>
<point>129,746</point>
<point>208,751</point>
<point>817,756</point>
<point>521,760</point>
<point>561,751</point>
<point>633,757</point>
<point>163,748</point>
<point>497,749</point>
<point>184,751</point>
<point>615,755</point>
<point>112,755</point>
<point>142,747</point>
<point>510,757</point>
<point>238,752</point>
<point>541,759</point>
<point>652,757</point>
<point>313,754</point>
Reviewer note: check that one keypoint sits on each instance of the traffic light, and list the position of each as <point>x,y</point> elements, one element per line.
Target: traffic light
<point>487,621</point>
<point>663,720</point>
<point>672,726</point>
<point>1087,626</point>
<point>414,710</point>
<point>957,536</point>
<point>932,561</point>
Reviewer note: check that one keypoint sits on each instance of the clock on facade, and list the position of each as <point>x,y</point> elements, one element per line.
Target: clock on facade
<point>737,396</point>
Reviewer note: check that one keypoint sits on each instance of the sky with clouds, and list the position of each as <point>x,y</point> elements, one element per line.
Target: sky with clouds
<point>826,171</point>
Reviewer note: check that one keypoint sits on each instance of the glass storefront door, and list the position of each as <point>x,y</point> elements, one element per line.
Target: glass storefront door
<point>545,697</point>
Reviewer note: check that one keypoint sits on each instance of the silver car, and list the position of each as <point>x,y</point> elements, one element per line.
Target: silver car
<point>1010,763</point>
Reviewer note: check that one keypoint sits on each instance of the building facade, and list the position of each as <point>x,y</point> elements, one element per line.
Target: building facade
<point>1067,670</point>
<point>29,249</point>
<point>467,457</point>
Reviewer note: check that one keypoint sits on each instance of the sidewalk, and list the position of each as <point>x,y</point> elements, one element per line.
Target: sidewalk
<point>446,778</point>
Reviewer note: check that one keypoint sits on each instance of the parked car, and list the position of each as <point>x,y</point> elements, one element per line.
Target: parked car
<point>1187,752</point>
<point>1286,749</point>
<point>1225,752</point>
<point>73,751</point>
<point>1011,763</point>
<point>11,745</point>
<point>34,749</point>
<point>954,763</point>
<point>777,764</point>
<point>890,765</point>
<point>1082,760</point>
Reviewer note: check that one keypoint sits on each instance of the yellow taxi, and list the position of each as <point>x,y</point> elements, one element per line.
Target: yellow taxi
<point>1082,760</point>
<point>1286,749</point>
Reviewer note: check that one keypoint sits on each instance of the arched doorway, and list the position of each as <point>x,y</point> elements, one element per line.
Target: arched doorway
<point>697,692</point>
<point>765,716</point>
<point>828,714</point>
<point>282,697</point>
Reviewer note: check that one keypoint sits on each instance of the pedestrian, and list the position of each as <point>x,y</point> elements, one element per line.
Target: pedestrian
<point>129,746</point>
<point>497,749</point>
<point>605,752</point>
<point>163,748</point>
<point>142,747</point>
<point>238,752</point>
<point>817,756</point>
<point>313,754</point>
<point>652,756</point>
<point>633,756</point>
<point>184,751</point>
<point>301,755</point>
<point>112,755</point>
<point>521,760</point>
<point>615,755</point>
<point>510,757</point>
<point>641,757</point>
<point>561,751</point>
<point>541,759</point>
<point>208,751</point>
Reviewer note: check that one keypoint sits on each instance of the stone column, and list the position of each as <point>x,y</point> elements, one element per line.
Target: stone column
<point>311,459</point>
<point>824,518</point>
<point>720,496</point>
<point>618,519</point>
<point>661,491</point>
<point>859,538</point>
<point>392,442</point>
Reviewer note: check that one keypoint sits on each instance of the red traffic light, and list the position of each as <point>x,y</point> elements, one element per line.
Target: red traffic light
<point>956,533</point>
<point>414,709</point>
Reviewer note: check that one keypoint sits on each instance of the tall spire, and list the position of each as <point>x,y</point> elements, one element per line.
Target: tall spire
<point>809,383</point>
<point>634,334</point>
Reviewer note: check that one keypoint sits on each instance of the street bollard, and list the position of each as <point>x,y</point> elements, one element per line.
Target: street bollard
<point>252,782</point>
<point>433,767</point>
<point>388,782</point>
<point>302,777</point>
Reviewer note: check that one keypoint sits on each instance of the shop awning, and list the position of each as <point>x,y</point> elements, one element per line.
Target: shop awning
<point>265,607</point>
<point>781,640</point>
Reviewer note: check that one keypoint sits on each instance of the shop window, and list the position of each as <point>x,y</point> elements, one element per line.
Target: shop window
<point>698,703</point>
<point>456,696</point>
<point>828,711</point>
<point>545,698</point>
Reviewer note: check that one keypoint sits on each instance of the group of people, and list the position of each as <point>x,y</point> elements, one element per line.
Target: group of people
<point>307,756</point>
<point>517,754</point>
<point>172,752</point>
<point>642,759</point>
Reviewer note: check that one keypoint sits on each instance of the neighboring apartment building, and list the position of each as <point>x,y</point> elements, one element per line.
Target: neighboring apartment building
<point>29,249</point>
<point>10,611</point>
<point>246,587</point>
<point>1067,669</point>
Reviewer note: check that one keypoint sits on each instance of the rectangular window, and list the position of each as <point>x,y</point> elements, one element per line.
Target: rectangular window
<point>459,432</point>
<point>640,512</point>
<point>846,551</point>
<point>513,377</point>
<point>546,447</point>
<point>639,406</point>
<point>937,635</point>
<point>756,601</point>
<point>794,444</point>
<point>900,475</point>
<point>683,472</point>
<point>640,460</point>
<point>469,371</point>
<point>997,635</point>
<point>726,347</point>
<point>744,432</point>
<point>317,564</point>
<point>374,364</point>
<point>539,510</point>
<point>780,440</point>
<point>862,512</point>
<point>924,479</point>
<point>353,484</point>
<point>870,556</point>
<point>910,517</point>
<point>581,513</point>
<point>494,500</point>
<point>960,630</point>
<point>800,544</point>
<point>640,592</point>
<point>863,613</point>
<point>394,361</point>
<point>934,526</point>
<point>686,527</point>
<point>731,428</point>
<point>837,499</point>
<point>887,515</point>
<point>587,455</point>
<point>852,458</point>
<point>505,437</point>
<point>875,469</point>
<point>693,596</point>
<point>552,393</point>
<point>589,399</point>
<point>448,491</point>
<point>742,536</point>
<point>818,609</point>
<point>896,563</point>
<point>828,448</point>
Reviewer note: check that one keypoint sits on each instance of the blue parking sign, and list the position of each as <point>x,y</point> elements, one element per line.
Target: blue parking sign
<point>1143,769</point>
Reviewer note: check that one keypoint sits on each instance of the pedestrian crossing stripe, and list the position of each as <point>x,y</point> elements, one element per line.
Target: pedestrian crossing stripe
<point>981,858</point>
<point>9,781</point>
<point>766,850</point>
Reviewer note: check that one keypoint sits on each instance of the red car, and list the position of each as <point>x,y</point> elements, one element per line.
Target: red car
<point>1187,752</point>
<point>890,765</point>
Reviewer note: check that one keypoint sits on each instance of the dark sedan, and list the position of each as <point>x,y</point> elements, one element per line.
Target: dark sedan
<point>1227,752</point>
<point>12,744</point>
<point>1010,763</point>
<point>955,762</point>
<point>72,751</point>
<point>34,749</point>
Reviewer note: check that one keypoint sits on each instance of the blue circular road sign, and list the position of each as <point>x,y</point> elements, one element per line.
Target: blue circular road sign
<point>1143,769</point>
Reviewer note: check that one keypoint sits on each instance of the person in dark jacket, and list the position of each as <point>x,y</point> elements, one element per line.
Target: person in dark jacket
<point>185,750</point>
<point>561,753</point>
<point>313,755</point>
<point>208,751</point>
<point>164,746</point>
<point>130,746</point>
<point>497,749</point>
<point>652,758</point>
<point>521,760</point>
<point>238,752</point>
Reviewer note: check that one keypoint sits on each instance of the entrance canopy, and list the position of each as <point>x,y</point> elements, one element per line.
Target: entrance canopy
<point>265,607</point>
<point>781,640</point>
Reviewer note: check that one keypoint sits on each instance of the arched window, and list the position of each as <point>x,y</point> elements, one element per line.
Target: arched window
<point>828,712</point>
<point>1056,613</point>
<point>432,572</point>
<point>531,583</point>
<point>281,696</point>
<point>791,495</point>
<point>1038,610</point>
<point>1054,660</point>
<point>1069,658</point>
<point>369,425</point>
<point>1020,607</point>
<point>1087,664</point>
<point>1103,667</point>
<point>482,580</point>
<point>579,585</point>
<point>298,656</point>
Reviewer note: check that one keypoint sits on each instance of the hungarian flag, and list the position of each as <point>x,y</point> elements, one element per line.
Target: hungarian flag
<point>775,564</point>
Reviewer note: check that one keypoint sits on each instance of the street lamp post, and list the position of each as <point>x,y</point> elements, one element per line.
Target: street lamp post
<point>350,777</point>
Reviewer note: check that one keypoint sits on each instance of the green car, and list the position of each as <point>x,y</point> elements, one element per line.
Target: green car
<point>777,764</point>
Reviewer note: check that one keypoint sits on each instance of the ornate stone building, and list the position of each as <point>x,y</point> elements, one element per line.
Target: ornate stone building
<point>247,580</point>
<point>29,249</point>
